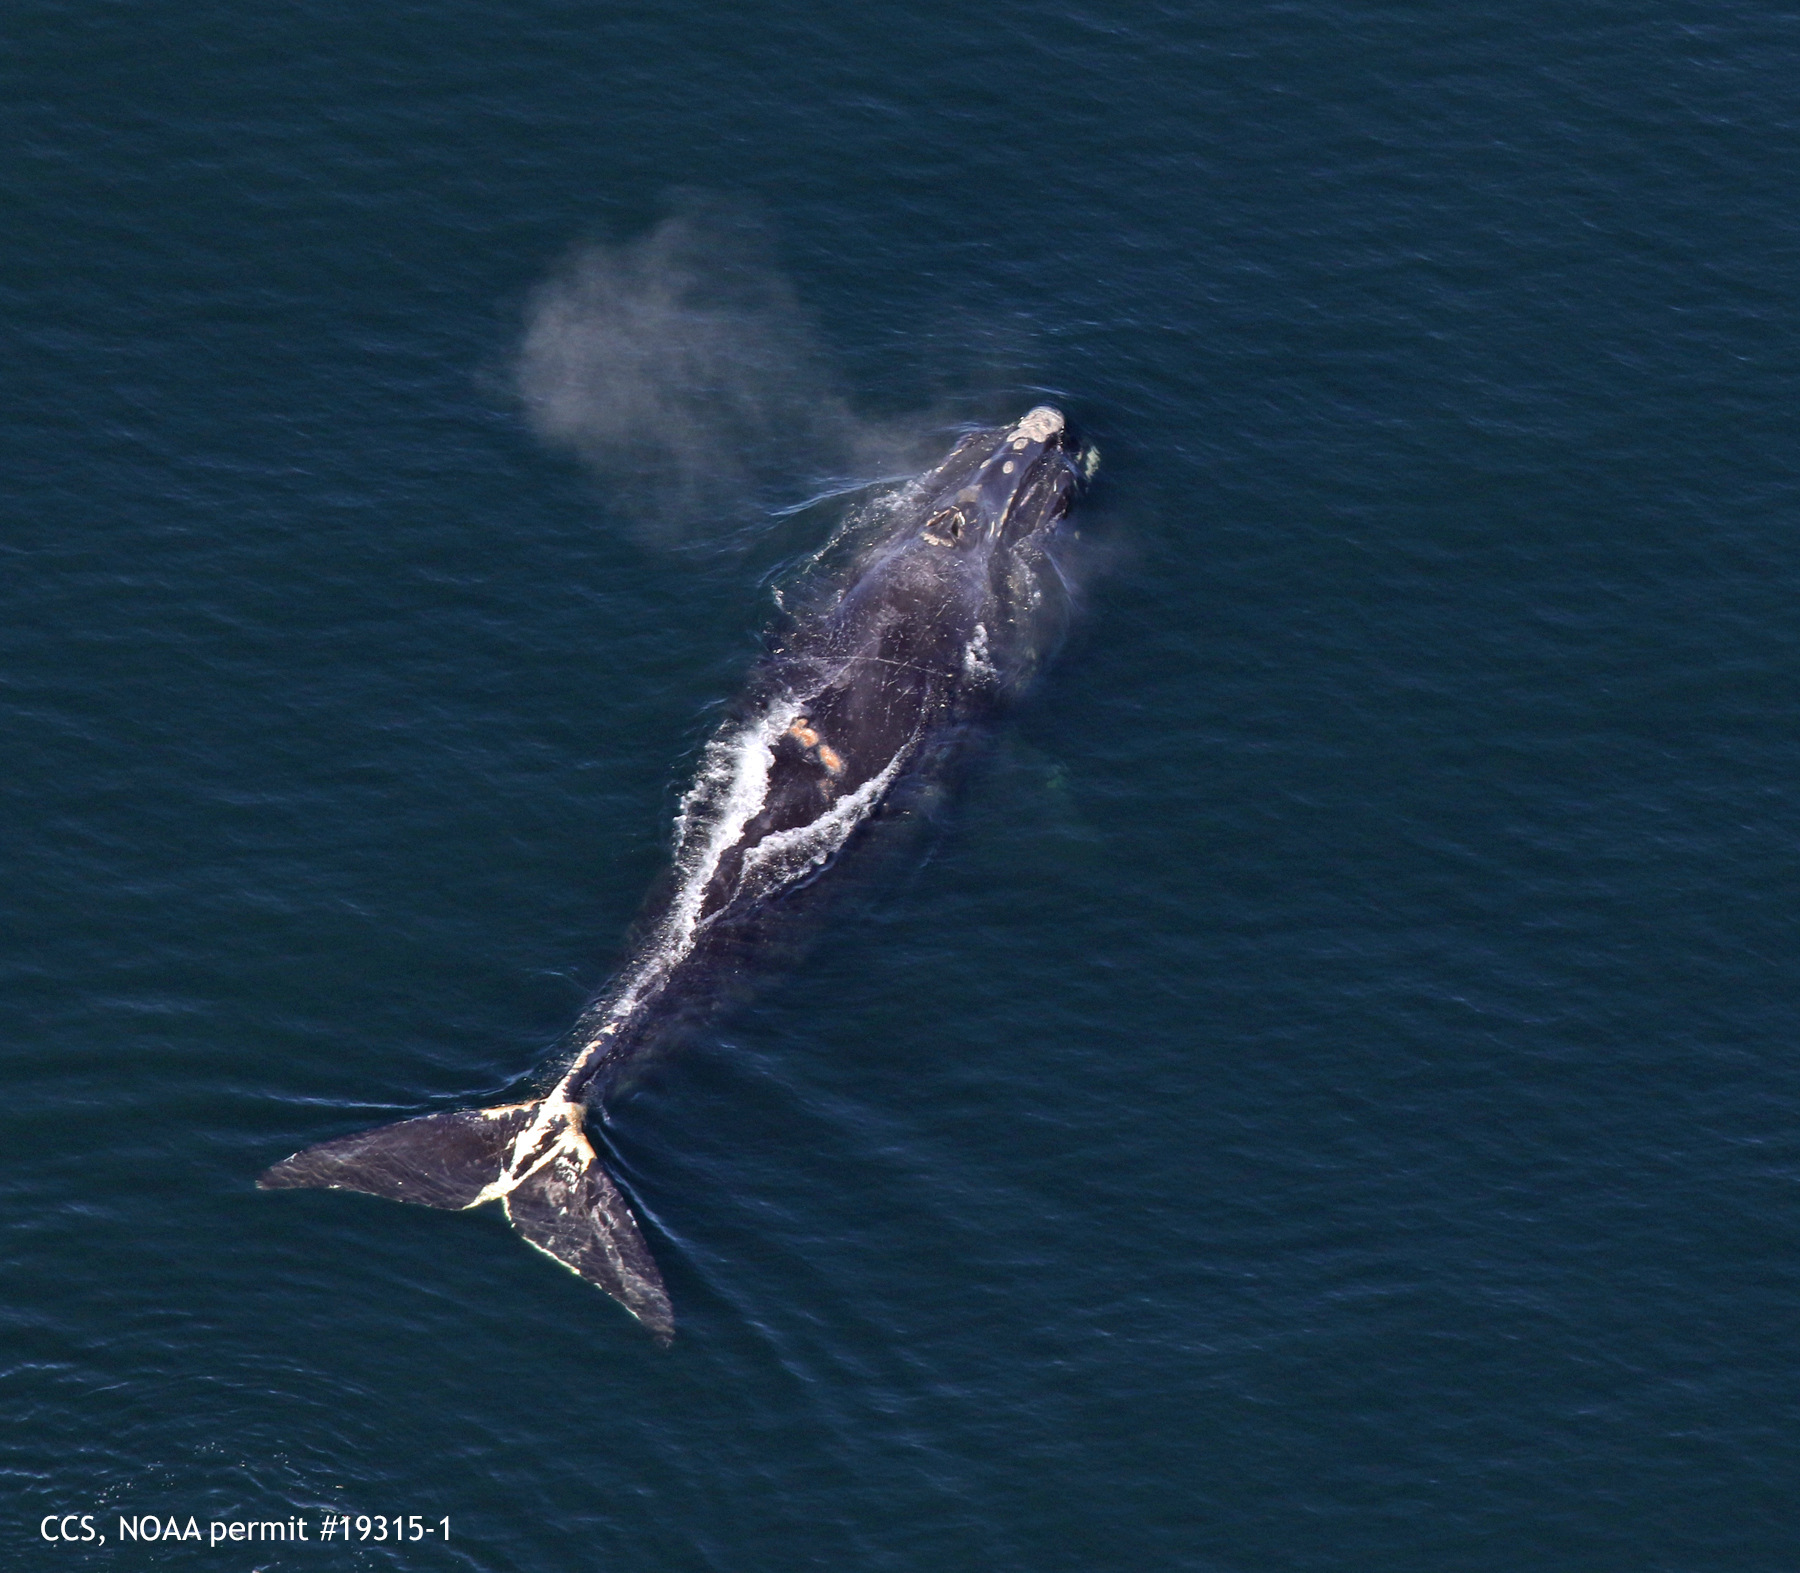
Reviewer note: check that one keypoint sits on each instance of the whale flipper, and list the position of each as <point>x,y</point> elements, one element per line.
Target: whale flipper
<point>534,1157</point>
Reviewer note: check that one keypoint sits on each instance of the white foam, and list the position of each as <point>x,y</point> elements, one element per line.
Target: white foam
<point>730,788</point>
<point>792,854</point>
<point>978,660</point>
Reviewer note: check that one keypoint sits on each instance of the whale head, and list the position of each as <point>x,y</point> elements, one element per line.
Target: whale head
<point>961,568</point>
<point>1005,488</point>
<point>972,549</point>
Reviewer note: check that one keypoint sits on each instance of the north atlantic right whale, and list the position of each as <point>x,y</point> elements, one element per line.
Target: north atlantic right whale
<point>946,605</point>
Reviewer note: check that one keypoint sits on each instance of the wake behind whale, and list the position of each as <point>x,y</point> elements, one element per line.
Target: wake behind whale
<point>942,611</point>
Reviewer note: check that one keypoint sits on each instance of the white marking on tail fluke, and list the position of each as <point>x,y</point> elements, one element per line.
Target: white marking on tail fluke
<point>532,1148</point>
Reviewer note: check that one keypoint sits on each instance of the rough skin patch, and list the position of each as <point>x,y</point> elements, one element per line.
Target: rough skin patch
<point>1039,425</point>
<point>803,733</point>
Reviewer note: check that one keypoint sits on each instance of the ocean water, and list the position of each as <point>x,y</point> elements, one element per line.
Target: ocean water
<point>1325,1095</point>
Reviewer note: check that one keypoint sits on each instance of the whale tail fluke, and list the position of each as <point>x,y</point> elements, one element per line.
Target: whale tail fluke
<point>534,1158</point>
<point>439,1160</point>
<point>568,1207</point>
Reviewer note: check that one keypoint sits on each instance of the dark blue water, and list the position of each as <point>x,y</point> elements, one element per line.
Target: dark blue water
<point>1326,1096</point>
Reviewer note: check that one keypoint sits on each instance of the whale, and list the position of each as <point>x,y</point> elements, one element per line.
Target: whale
<point>935,603</point>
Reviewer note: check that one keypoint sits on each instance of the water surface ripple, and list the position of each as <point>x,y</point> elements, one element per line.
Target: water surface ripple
<point>1327,1097</point>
